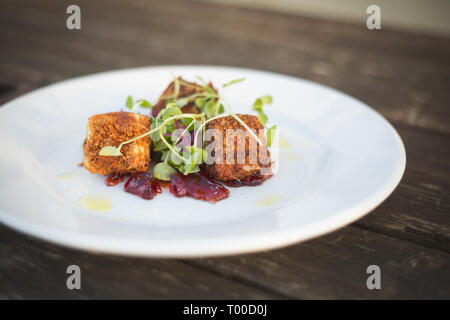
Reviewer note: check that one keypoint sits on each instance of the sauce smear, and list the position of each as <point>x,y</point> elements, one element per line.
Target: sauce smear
<point>143,185</point>
<point>198,186</point>
<point>254,180</point>
<point>95,203</point>
<point>114,179</point>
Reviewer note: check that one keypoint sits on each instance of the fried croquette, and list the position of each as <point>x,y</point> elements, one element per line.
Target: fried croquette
<point>247,157</point>
<point>111,129</point>
<point>186,89</point>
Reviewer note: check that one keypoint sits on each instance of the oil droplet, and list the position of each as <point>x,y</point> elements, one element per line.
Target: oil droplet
<point>293,157</point>
<point>95,203</point>
<point>284,144</point>
<point>66,176</point>
<point>268,200</point>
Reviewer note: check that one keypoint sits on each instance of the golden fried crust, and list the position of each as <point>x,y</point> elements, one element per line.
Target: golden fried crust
<point>238,171</point>
<point>111,129</point>
<point>186,89</point>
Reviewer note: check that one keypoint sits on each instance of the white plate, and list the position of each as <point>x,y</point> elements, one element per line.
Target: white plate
<point>340,160</point>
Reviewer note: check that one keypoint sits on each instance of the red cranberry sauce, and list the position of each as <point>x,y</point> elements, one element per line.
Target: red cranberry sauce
<point>114,179</point>
<point>143,185</point>
<point>254,180</point>
<point>198,186</point>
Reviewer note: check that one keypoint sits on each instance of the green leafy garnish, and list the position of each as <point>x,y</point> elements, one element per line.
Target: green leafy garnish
<point>266,99</point>
<point>110,151</point>
<point>258,107</point>
<point>163,170</point>
<point>262,117</point>
<point>171,130</point>
<point>232,82</point>
<point>139,103</point>
<point>195,158</point>
<point>172,109</point>
<point>258,104</point>
<point>129,103</point>
<point>144,103</point>
<point>200,102</point>
<point>182,102</point>
<point>201,80</point>
<point>270,135</point>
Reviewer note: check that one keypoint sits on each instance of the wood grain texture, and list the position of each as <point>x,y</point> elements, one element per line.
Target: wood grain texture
<point>334,267</point>
<point>33,269</point>
<point>331,267</point>
<point>419,209</point>
<point>406,77</point>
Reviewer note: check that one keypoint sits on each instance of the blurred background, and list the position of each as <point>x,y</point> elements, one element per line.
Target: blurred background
<point>321,40</point>
<point>414,15</point>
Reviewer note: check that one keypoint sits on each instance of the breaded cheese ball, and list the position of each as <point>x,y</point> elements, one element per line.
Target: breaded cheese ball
<point>257,157</point>
<point>111,129</point>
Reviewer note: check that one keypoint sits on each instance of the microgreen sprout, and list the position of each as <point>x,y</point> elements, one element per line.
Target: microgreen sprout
<point>270,135</point>
<point>139,103</point>
<point>179,152</point>
<point>113,151</point>
<point>163,170</point>
<point>258,107</point>
<point>129,102</point>
<point>144,103</point>
<point>232,82</point>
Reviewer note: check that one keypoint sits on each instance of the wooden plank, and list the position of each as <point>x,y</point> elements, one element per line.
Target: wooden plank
<point>416,211</point>
<point>419,209</point>
<point>386,69</point>
<point>33,269</point>
<point>427,152</point>
<point>334,267</point>
<point>17,80</point>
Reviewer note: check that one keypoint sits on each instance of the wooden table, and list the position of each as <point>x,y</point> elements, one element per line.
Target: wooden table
<point>406,77</point>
